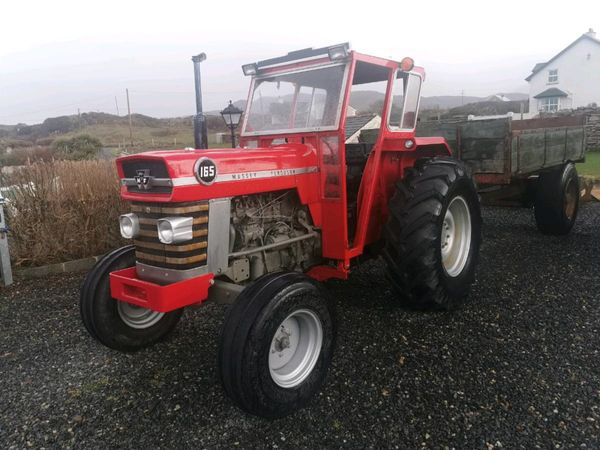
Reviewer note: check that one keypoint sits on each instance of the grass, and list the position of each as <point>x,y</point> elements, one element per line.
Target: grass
<point>591,166</point>
<point>147,138</point>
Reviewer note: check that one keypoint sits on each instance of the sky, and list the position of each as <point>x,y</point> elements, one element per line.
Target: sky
<point>60,56</point>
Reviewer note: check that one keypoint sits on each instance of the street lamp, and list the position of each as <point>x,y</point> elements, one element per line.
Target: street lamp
<point>231,116</point>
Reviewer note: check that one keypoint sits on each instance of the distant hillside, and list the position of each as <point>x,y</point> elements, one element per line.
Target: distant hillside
<point>113,131</point>
<point>363,100</point>
<point>368,101</point>
<point>488,108</point>
<point>150,132</point>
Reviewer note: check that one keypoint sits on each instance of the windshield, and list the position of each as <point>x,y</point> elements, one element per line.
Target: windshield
<point>298,101</point>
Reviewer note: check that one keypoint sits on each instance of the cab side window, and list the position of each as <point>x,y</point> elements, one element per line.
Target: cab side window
<point>405,102</point>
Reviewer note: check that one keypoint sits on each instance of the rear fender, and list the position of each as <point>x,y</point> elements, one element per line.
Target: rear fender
<point>432,146</point>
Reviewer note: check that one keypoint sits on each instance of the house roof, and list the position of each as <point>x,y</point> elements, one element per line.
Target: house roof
<point>540,66</point>
<point>552,92</point>
<point>355,123</point>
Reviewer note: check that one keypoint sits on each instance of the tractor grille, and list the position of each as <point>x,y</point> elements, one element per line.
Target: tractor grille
<point>155,168</point>
<point>187,255</point>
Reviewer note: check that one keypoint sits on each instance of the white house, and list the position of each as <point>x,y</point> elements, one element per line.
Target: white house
<point>568,80</point>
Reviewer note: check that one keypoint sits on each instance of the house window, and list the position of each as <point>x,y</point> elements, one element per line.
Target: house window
<point>549,104</point>
<point>553,76</point>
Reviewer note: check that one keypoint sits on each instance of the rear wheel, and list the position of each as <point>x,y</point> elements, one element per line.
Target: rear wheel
<point>117,324</point>
<point>276,344</point>
<point>557,200</point>
<point>433,234</point>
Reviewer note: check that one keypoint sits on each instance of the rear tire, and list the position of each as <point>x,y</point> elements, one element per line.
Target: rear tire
<point>117,324</point>
<point>276,344</point>
<point>557,200</point>
<point>433,234</point>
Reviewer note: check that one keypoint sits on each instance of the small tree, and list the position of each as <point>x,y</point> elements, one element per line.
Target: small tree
<point>77,148</point>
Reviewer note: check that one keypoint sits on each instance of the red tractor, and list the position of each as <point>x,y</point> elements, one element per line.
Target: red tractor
<point>304,199</point>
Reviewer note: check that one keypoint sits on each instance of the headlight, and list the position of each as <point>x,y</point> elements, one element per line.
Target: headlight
<point>173,230</point>
<point>130,225</point>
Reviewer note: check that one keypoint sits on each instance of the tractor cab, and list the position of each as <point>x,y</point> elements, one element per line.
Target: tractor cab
<point>357,112</point>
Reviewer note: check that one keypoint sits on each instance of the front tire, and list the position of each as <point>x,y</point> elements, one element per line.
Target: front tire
<point>433,234</point>
<point>117,324</point>
<point>557,200</point>
<point>276,344</point>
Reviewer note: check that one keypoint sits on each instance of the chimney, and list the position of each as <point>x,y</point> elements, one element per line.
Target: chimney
<point>591,33</point>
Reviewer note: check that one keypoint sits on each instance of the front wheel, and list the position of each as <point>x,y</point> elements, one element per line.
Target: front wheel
<point>117,324</point>
<point>276,344</point>
<point>433,234</point>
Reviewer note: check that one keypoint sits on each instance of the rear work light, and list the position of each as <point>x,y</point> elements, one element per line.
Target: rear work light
<point>338,52</point>
<point>250,69</point>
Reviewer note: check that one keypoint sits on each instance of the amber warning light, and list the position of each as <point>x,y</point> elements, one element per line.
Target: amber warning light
<point>407,64</point>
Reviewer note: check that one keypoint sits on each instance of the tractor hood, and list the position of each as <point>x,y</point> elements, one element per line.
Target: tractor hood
<point>191,175</point>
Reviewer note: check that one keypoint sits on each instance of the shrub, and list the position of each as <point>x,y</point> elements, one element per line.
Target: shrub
<point>61,124</point>
<point>77,148</point>
<point>22,156</point>
<point>62,210</point>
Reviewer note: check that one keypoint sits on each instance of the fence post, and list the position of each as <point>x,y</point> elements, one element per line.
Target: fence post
<point>5,269</point>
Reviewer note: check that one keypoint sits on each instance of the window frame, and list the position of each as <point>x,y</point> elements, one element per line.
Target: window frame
<point>546,102</point>
<point>552,76</point>
<point>245,133</point>
<point>392,128</point>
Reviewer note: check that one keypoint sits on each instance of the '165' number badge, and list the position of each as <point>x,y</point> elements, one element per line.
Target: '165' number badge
<point>206,171</point>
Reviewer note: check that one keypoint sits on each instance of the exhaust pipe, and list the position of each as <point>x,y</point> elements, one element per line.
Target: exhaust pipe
<point>200,131</point>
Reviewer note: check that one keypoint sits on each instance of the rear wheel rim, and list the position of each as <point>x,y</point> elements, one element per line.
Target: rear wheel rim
<point>295,348</point>
<point>136,316</point>
<point>570,199</point>
<point>456,236</point>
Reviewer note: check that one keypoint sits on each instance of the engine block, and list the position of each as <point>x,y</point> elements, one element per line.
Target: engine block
<point>267,231</point>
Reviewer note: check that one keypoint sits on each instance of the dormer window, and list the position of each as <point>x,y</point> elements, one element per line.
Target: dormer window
<point>553,76</point>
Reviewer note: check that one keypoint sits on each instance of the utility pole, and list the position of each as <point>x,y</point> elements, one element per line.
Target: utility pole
<point>462,97</point>
<point>129,114</point>
<point>117,105</point>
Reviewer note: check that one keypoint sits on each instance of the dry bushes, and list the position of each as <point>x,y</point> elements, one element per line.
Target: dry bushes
<point>60,211</point>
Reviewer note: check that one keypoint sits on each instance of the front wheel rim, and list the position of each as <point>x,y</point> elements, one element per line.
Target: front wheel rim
<point>295,348</point>
<point>456,236</point>
<point>136,316</point>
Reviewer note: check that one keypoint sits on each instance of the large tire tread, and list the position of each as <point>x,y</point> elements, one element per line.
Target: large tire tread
<point>98,310</point>
<point>240,342</point>
<point>549,210</point>
<point>412,234</point>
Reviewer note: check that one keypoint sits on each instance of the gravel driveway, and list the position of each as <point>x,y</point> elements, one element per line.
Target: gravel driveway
<point>518,366</point>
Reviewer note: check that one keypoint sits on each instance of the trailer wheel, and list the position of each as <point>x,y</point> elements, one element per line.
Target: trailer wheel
<point>433,234</point>
<point>116,324</point>
<point>557,200</point>
<point>276,344</point>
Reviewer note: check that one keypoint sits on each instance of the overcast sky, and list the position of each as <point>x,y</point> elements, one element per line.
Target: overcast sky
<point>57,55</point>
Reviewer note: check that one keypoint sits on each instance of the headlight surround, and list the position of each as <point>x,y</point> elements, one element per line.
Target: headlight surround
<point>173,230</point>
<point>129,225</point>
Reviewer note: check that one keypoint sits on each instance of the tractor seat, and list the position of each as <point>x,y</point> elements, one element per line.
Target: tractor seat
<point>358,153</point>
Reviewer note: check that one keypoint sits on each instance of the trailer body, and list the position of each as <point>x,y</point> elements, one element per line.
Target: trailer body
<point>504,151</point>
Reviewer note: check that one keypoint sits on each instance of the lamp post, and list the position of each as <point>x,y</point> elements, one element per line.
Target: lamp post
<point>231,115</point>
